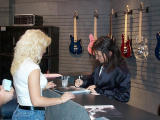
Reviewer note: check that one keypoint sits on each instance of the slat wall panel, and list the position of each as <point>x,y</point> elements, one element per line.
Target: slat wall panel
<point>4,15</point>
<point>145,91</point>
<point>4,12</point>
<point>60,13</point>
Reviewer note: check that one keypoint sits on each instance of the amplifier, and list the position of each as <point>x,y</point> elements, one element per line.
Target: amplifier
<point>27,20</point>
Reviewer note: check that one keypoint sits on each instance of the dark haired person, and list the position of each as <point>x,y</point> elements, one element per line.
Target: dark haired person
<point>111,78</point>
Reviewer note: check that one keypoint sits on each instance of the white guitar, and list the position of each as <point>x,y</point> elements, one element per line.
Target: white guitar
<point>141,51</point>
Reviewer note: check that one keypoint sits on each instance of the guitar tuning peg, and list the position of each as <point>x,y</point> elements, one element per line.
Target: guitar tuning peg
<point>115,15</point>
<point>147,9</point>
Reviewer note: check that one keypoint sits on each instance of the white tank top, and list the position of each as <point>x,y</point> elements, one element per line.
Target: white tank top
<point>20,79</point>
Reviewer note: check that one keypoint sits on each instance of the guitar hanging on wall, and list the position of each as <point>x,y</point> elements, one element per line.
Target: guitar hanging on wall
<point>125,46</point>
<point>110,25</point>
<point>91,37</point>
<point>75,45</point>
<point>157,49</point>
<point>141,51</point>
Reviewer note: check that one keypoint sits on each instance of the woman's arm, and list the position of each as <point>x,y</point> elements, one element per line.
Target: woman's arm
<point>35,94</point>
<point>122,93</point>
<point>122,90</point>
<point>88,80</point>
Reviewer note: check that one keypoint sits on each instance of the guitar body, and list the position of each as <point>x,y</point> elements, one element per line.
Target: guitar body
<point>125,48</point>
<point>141,51</point>
<point>75,47</point>
<point>157,49</point>
<point>91,38</point>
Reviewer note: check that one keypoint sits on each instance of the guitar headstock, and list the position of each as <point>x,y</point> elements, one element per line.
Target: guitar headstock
<point>75,14</point>
<point>141,6</point>
<point>96,13</point>
<point>127,8</point>
<point>128,11</point>
<point>112,12</point>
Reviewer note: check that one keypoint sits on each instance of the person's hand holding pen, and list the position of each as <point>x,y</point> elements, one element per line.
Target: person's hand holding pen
<point>78,82</point>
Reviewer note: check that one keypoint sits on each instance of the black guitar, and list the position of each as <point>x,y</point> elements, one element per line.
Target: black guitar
<point>75,45</point>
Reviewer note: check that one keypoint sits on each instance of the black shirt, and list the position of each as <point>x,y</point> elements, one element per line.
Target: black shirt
<point>114,84</point>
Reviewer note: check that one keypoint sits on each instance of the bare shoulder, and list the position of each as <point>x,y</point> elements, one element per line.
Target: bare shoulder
<point>35,72</point>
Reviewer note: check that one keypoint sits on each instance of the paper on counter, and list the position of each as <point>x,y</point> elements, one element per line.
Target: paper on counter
<point>99,111</point>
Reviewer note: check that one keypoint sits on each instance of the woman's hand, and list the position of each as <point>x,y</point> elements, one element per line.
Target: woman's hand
<point>92,88</point>
<point>50,85</point>
<point>78,82</point>
<point>67,96</point>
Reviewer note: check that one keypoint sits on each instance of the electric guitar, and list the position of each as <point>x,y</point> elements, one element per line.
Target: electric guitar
<point>157,49</point>
<point>125,46</point>
<point>142,49</point>
<point>110,23</point>
<point>75,45</point>
<point>91,37</point>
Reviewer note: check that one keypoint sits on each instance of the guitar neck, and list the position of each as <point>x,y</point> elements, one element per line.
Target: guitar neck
<point>140,26</point>
<point>95,28</point>
<point>75,29</point>
<point>110,22</point>
<point>125,28</point>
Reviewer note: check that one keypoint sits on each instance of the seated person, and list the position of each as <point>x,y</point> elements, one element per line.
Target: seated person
<point>111,78</point>
<point>5,96</point>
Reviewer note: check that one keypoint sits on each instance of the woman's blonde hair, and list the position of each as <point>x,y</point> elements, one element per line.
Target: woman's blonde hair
<point>32,44</point>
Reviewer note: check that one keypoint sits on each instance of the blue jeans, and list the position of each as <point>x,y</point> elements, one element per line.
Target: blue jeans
<point>8,109</point>
<point>20,114</point>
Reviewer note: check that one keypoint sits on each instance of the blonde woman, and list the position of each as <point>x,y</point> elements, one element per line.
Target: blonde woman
<point>28,79</point>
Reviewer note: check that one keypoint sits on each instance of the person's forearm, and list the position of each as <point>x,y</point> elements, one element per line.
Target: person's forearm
<point>2,101</point>
<point>44,101</point>
<point>123,97</point>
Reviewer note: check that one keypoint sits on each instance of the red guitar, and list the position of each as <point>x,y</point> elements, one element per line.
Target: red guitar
<point>91,37</point>
<point>125,46</point>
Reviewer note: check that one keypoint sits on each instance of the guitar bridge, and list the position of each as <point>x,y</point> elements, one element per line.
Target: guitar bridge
<point>125,50</point>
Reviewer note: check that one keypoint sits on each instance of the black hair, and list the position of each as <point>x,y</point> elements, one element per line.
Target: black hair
<point>106,45</point>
